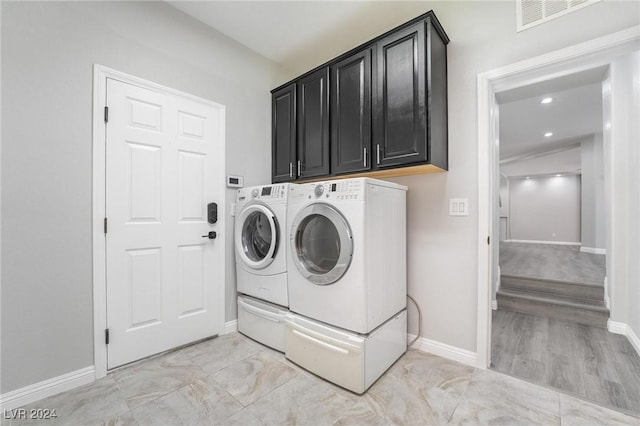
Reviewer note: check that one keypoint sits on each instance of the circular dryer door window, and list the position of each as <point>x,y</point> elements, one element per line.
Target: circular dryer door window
<point>323,244</point>
<point>257,242</point>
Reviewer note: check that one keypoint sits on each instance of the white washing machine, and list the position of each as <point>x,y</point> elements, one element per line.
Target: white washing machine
<point>347,252</point>
<point>261,242</point>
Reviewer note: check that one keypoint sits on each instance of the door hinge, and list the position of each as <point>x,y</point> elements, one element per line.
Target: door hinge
<point>106,114</point>
<point>105,225</point>
<point>106,336</point>
<point>488,240</point>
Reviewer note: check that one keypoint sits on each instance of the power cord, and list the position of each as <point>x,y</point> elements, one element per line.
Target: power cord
<point>419,320</point>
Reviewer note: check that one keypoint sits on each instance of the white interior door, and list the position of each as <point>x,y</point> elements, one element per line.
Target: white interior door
<point>162,169</point>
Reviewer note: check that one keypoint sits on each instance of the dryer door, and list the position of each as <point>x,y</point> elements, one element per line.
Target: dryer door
<point>257,237</point>
<point>322,244</point>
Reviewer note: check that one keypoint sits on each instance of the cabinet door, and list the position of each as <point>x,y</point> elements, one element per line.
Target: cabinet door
<point>399,115</point>
<point>351,113</point>
<point>313,124</point>
<point>283,134</point>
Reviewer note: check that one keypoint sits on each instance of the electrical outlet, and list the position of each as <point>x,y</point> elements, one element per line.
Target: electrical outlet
<point>458,207</point>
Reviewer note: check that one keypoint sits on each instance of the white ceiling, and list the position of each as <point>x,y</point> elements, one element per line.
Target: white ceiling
<point>574,114</point>
<point>565,162</point>
<point>300,35</point>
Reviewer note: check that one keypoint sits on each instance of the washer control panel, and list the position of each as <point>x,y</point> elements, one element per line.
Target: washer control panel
<point>269,192</point>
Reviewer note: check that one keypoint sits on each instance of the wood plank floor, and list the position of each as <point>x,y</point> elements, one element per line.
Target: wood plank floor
<point>552,262</point>
<point>585,361</point>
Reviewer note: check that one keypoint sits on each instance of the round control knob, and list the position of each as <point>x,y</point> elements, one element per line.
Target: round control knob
<point>255,193</point>
<point>319,189</point>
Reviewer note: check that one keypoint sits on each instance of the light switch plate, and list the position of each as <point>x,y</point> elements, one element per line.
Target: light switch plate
<point>458,207</point>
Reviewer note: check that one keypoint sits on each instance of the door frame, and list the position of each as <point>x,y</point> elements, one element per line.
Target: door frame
<point>588,55</point>
<point>100,75</point>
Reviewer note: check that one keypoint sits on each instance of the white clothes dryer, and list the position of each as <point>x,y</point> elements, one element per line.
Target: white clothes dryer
<point>347,253</point>
<point>261,242</point>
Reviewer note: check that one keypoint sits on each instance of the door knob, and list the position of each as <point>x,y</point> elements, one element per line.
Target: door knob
<point>211,235</point>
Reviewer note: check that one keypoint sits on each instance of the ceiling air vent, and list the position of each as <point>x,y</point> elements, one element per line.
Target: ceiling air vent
<point>530,13</point>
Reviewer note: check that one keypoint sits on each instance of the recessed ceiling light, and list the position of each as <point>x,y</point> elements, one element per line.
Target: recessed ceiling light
<point>548,135</point>
<point>546,100</point>
<point>558,175</point>
<point>528,177</point>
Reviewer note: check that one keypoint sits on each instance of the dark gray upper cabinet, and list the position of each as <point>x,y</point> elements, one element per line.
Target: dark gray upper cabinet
<point>410,102</point>
<point>313,124</point>
<point>351,113</point>
<point>399,117</point>
<point>283,134</point>
<point>378,107</point>
<point>436,68</point>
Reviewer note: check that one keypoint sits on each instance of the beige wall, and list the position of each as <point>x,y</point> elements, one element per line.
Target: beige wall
<point>633,300</point>
<point>545,208</point>
<point>48,53</point>
<point>594,226</point>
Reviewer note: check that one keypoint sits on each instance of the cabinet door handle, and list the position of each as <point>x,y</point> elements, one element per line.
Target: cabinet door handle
<point>299,168</point>
<point>290,169</point>
<point>378,153</point>
<point>364,157</point>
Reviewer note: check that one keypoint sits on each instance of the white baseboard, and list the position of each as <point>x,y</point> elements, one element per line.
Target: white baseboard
<point>32,393</point>
<point>562,243</point>
<point>494,305</point>
<point>624,329</point>
<point>46,388</point>
<point>230,327</point>
<point>462,356</point>
<point>593,250</point>
<point>616,327</point>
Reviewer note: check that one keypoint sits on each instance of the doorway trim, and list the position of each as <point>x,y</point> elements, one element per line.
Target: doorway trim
<point>591,54</point>
<point>100,75</point>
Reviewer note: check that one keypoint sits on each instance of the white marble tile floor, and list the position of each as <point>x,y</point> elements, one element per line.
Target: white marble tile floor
<point>232,380</point>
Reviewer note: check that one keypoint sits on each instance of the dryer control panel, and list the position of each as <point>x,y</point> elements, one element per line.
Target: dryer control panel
<point>347,189</point>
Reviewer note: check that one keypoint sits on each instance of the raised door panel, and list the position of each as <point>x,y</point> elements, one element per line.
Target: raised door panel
<point>143,165</point>
<point>191,280</point>
<point>400,98</point>
<point>351,113</point>
<point>191,186</point>
<point>283,127</point>
<point>313,124</point>
<point>143,283</point>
